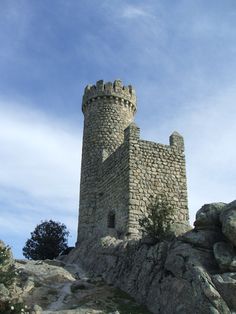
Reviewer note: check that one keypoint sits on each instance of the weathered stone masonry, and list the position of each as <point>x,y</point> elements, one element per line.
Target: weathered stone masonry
<point>121,173</point>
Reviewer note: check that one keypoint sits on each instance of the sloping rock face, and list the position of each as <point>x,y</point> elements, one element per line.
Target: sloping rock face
<point>51,286</point>
<point>66,289</point>
<point>194,273</point>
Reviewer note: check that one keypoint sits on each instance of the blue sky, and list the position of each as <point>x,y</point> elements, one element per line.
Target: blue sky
<point>179,55</point>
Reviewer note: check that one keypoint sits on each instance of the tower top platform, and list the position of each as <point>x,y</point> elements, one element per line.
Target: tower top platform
<point>110,90</point>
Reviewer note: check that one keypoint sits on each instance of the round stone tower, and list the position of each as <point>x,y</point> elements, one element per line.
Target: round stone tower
<point>108,110</point>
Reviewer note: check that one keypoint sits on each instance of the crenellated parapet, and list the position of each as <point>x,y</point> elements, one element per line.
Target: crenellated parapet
<point>115,92</point>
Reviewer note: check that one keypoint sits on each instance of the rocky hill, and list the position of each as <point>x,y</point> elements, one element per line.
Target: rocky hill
<point>47,287</point>
<point>193,273</point>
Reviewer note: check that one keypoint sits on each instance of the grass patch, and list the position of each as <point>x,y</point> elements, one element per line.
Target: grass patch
<point>52,292</point>
<point>76,288</point>
<point>127,305</point>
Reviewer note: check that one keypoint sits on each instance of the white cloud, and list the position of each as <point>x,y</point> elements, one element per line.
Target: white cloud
<point>39,176</point>
<point>131,12</point>
<point>39,156</point>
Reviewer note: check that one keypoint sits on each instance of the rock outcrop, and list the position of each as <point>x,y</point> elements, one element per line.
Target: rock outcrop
<point>51,286</point>
<point>194,273</point>
<point>65,289</point>
<point>228,221</point>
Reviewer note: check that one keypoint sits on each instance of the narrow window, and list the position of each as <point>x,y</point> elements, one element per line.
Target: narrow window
<point>111,220</point>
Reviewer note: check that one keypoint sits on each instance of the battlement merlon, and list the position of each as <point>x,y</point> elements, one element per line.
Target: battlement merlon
<point>115,90</point>
<point>132,132</point>
<point>177,140</point>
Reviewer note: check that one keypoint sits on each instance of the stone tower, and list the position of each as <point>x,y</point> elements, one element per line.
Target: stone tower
<point>108,110</point>
<point>121,173</point>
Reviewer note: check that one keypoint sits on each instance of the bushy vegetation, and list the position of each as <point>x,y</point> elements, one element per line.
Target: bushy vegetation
<point>7,269</point>
<point>157,222</point>
<point>13,308</point>
<point>8,276</point>
<point>47,241</point>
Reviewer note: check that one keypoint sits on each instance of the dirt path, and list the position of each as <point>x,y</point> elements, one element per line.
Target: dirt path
<point>67,289</point>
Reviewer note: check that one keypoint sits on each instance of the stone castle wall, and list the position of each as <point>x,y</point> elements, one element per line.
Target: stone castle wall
<point>112,197</point>
<point>121,173</point>
<point>157,170</point>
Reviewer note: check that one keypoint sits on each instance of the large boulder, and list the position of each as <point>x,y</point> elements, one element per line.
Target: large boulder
<point>208,216</point>
<point>215,226</point>
<point>225,255</point>
<point>43,272</point>
<point>226,285</point>
<point>228,221</point>
<point>202,238</point>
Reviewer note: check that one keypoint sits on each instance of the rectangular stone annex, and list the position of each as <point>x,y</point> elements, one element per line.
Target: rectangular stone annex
<point>121,173</point>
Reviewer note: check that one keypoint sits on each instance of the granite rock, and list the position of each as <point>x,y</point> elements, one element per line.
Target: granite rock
<point>169,277</point>
<point>228,221</point>
<point>183,275</point>
<point>203,238</point>
<point>208,216</point>
<point>226,285</point>
<point>225,255</point>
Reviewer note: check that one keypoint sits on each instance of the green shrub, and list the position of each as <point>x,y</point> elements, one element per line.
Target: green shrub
<point>7,269</point>
<point>47,241</point>
<point>13,308</point>
<point>7,277</point>
<point>157,222</point>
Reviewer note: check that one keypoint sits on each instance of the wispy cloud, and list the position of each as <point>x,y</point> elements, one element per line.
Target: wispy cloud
<point>37,147</point>
<point>131,12</point>
<point>40,158</point>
